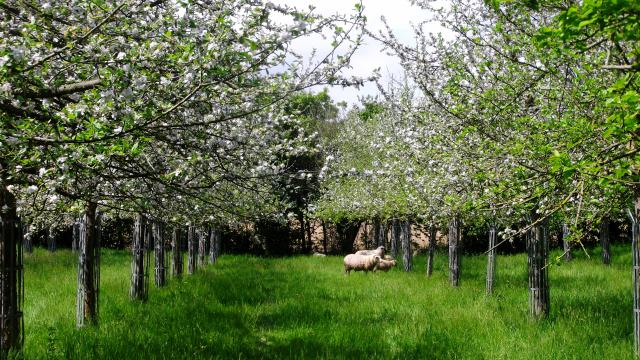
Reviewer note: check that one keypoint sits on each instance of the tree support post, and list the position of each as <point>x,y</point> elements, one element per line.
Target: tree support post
<point>491,259</point>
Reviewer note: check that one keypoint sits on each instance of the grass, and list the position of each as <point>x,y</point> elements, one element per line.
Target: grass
<point>304,307</point>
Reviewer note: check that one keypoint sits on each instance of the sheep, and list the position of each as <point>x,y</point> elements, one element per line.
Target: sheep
<point>385,265</point>
<point>388,257</point>
<point>379,251</point>
<point>364,263</point>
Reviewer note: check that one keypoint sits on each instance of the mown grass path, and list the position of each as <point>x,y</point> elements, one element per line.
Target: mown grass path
<point>304,307</point>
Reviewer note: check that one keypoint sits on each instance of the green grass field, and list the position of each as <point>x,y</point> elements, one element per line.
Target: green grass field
<point>304,307</point>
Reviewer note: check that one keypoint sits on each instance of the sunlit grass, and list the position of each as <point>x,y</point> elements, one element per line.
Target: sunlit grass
<point>304,307</point>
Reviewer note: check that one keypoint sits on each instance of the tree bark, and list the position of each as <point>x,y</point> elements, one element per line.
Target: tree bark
<point>11,275</point>
<point>454,256</point>
<point>395,237</point>
<point>88,267</point>
<point>309,241</point>
<point>159,254</point>
<point>407,255</point>
<point>382,233</point>
<point>192,260</point>
<point>491,259</point>
<point>214,245</point>
<point>138,290</point>
<point>432,249</point>
<point>176,245</point>
<point>566,246</point>
<point>538,253</point>
<point>376,233</point>
<point>605,241</point>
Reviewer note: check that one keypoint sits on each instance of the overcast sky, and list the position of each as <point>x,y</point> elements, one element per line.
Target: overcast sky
<point>400,15</point>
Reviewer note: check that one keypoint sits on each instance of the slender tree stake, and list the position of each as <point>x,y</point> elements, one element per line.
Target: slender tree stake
<point>491,259</point>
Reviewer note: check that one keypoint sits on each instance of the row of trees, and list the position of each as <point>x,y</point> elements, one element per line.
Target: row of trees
<point>519,115</point>
<point>174,110</point>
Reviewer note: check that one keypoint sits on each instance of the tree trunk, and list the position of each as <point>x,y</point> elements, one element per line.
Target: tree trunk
<point>309,241</point>
<point>407,255</point>
<point>27,239</point>
<point>432,249</point>
<point>491,259</point>
<point>538,253</point>
<point>176,245</point>
<point>566,246</point>
<point>138,290</point>
<point>605,242</point>
<point>158,243</point>
<point>301,235</point>
<point>376,234</point>
<point>88,267</point>
<point>395,236</point>
<point>214,245</point>
<point>202,247</point>
<point>324,238</point>
<point>11,275</point>
<point>454,256</point>
<point>192,241</point>
<point>75,236</point>
<point>382,233</point>
<point>51,240</point>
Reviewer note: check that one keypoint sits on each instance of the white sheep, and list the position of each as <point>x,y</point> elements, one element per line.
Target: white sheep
<point>385,265</point>
<point>364,263</point>
<point>379,251</point>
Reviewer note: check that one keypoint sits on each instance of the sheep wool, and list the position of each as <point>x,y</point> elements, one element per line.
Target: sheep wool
<point>361,263</point>
<point>385,265</point>
<point>379,251</point>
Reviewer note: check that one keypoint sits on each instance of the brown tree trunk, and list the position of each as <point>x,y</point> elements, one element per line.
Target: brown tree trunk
<point>11,290</point>
<point>138,289</point>
<point>432,249</point>
<point>538,253</point>
<point>407,255</point>
<point>491,259</point>
<point>88,267</point>
<point>605,241</point>
<point>176,245</point>
<point>454,256</point>
<point>159,254</point>
<point>566,246</point>
<point>192,249</point>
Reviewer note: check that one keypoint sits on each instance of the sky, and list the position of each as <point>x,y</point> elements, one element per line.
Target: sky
<point>400,16</point>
